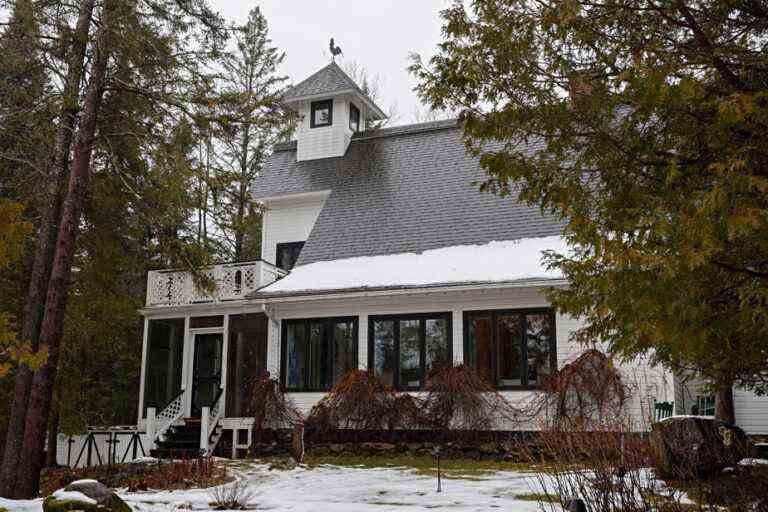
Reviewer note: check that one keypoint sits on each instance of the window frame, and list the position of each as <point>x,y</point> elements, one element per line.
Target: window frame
<point>307,321</point>
<point>523,313</point>
<point>353,108</point>
<point>396,318</point>
<point>319,105</point>
<point>287,244</point>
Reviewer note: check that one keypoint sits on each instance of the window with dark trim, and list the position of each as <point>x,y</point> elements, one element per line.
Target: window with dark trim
<point>403,349</point>
<point>354,118</point>
<point>288,253</point>
<point>321,113</point>
<point>514,349</point>
<point>317,352</point>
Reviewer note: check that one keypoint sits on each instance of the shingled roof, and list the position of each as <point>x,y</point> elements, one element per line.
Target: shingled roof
<point>397,190</point>
<point>329,81</point>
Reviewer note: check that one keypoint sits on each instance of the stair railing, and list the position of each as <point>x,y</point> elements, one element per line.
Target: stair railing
<point>209,420</point>
<point>170,414</point>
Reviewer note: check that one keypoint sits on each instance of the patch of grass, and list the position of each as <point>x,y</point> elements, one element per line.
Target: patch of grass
<point>538,497</point>
<point>450,468</point>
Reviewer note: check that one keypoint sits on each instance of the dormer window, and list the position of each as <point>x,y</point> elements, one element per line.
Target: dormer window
<point>321,114</point>
<point>354,118</point>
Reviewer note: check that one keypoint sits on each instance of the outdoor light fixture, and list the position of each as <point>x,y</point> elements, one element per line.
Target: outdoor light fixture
<point>437,453</point>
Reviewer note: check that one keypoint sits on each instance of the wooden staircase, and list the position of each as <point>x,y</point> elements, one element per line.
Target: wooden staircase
<point>180,441</point>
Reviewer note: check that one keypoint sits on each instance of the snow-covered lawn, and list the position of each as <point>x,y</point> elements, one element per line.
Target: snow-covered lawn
<point>342,489</point>
<point>329,488</point>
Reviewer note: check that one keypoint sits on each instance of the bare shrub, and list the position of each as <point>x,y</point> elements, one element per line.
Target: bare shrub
<point>458,398</point>
<point>269,406</point>
<point>588,390</point>
<point>234,496</point>
<point>606,469</point>
<point>359,401</point>
<point>610,468</point>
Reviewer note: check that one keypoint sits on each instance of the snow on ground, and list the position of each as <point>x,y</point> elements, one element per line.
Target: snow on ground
<point>329,488</point>
<point>338,489</point>
<point>753,462</point>
<point>341,489</point>
<point>21,505</point>
<point>494,262</point>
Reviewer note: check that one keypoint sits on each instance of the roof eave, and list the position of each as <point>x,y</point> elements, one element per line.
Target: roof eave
<point>304,295</point>
<point>378,114</point>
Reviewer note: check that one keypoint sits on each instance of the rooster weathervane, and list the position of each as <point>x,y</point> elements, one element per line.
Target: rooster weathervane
<point>335,50</point>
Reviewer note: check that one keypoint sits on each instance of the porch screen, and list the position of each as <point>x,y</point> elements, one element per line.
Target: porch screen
<point>165,346</point>
<point>246,360</point>
<point>318,352</point>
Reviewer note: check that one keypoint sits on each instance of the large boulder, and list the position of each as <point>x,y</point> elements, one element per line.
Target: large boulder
<point>695,446</point>
<point>85,495</point>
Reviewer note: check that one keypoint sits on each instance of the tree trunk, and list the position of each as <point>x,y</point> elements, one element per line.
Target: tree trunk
<point>58,287</point>
<point>724,408</point>
<point>46,242</point>
<point>53,441</point>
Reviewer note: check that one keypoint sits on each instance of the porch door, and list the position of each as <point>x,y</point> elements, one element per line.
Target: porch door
<point>206,373</point>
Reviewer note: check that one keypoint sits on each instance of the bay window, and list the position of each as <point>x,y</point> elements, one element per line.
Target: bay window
<point>513,349</point>
<point>404,349</point>
<point>317,352</point>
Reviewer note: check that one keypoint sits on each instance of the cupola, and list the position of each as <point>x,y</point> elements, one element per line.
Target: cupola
<point>331,109</point>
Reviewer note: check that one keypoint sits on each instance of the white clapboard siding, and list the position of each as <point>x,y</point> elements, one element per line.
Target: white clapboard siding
<point>751,412</point>
<point>288,220</point>
<point>324,141</point>
<point>647,383</point>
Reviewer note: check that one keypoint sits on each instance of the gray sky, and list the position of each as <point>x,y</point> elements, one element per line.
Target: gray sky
<point>377,34</point>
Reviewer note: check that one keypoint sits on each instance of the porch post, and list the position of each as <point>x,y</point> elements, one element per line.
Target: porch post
<point>204,434</point>
<point>224,364</point>
<point>151,428</point>
<point>142,382</point>
<point>186,367</point>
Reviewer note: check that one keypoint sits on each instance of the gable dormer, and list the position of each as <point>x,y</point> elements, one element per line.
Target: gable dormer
<point>331,109</point>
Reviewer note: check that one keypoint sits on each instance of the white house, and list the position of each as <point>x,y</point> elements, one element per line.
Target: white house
<point>378,252</point>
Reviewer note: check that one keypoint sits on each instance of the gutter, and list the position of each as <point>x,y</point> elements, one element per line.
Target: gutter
<point>272,298</point>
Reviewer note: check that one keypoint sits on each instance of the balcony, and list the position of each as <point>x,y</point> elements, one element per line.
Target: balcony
<point>234,281</point>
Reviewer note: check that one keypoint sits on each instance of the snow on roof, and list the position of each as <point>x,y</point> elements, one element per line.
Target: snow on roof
<point>494,262</point>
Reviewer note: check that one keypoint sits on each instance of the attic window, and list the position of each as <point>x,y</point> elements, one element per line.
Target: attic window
<point>354,118</point>
<point>321,114</point>
<point>288,254</point>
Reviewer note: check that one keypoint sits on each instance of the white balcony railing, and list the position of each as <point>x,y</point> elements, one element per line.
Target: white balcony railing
<point>233,282</point>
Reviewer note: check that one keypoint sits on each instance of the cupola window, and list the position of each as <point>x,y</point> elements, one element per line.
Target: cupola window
<point>321,114</point>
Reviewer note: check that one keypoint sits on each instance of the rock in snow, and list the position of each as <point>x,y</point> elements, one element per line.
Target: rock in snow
<point>86,495</point>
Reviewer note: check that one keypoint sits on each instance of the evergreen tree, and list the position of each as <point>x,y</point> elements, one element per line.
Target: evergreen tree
<point>642,124</point>
<point>140,50</point>
<point>249,119</point>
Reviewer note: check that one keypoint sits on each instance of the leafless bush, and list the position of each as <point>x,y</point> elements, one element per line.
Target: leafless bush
<point>610,468</point>
<point>589,390</point>
<point>458,398</point>
<point>360,401</point>
<point>269,406</point>
<point>234,496</point>
<point>606,469</point>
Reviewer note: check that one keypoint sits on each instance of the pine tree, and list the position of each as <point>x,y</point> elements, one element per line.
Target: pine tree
<point>249,119</point>
<point>140,50</point>
<point>644,128</point>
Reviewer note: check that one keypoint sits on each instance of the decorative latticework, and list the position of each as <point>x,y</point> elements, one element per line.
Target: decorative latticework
<point>233,281</point>
<point>213,422</point>
<point>169,415</point>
